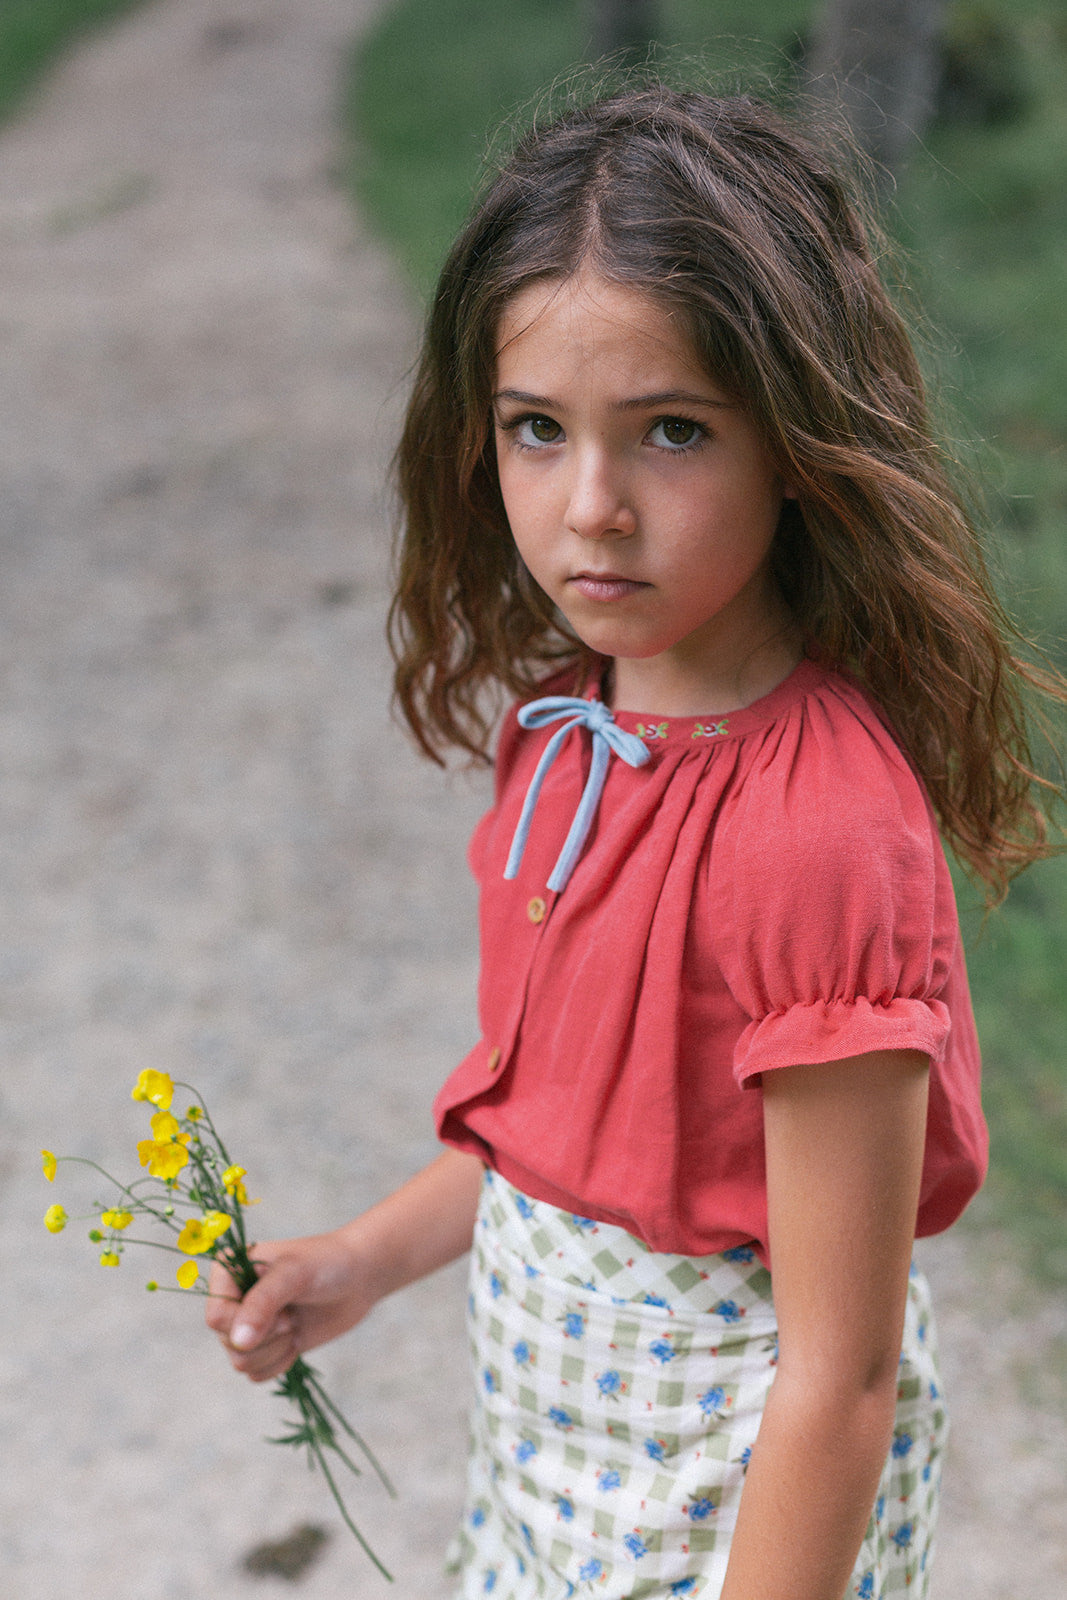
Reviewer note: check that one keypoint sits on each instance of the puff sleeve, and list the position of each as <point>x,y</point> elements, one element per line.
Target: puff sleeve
<point>834,916</point>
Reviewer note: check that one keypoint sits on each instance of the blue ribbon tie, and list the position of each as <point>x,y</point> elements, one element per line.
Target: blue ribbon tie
<point>607,737</point>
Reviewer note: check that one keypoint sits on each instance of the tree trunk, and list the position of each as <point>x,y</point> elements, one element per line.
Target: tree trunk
<point>879,60</point>
<point>624,25</point>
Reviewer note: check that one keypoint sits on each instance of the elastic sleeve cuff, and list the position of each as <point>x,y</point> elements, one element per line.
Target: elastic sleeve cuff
<point>832,1030</point>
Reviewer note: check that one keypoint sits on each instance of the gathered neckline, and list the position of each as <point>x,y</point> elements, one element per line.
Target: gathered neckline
<point>714,726</point>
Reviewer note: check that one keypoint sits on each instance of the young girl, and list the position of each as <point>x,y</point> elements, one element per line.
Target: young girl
<point>668,445</point>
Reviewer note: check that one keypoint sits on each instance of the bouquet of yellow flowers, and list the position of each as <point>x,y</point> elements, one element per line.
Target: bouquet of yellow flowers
<point>196,1193</point>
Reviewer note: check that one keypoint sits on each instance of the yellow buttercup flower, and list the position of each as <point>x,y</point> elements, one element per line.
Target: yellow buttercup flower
<point>164,1158</point>
<point>164,1154</point>
<point>164,1126</point>
<point>200,1233</point>
<point>48,1164</point>
<point>156,1087</point>
<point>109,1259</point>
<point>116,1219</point>
<point>187,1274</point>
<point>195,1113</point>
<point>231,1182</point>
<point>55,1219</point>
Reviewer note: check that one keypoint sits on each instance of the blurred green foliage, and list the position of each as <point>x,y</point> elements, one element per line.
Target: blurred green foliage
<point>34,32</point>
<point>982,215</point>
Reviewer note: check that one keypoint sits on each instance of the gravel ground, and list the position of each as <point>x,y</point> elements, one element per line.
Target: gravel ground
<point>220,858</point>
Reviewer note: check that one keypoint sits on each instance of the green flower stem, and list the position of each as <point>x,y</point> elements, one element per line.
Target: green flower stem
<point>300,1385</point>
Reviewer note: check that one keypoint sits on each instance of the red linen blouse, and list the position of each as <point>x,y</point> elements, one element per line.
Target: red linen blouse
<point>768,890</point>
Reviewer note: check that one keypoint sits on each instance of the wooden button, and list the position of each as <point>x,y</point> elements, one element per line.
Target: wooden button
<point>494,1058</point>
<point>536,909</point>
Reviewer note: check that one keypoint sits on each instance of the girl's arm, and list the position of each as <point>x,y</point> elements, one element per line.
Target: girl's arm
<point>310,1290</point>
<point>844,1148</point>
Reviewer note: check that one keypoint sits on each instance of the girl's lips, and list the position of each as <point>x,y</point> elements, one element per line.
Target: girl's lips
<point>605,587</point>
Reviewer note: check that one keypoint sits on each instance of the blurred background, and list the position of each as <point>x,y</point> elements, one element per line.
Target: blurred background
<point>220,221</point>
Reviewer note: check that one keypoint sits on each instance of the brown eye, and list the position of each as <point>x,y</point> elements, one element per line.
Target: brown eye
<point>677,431</point>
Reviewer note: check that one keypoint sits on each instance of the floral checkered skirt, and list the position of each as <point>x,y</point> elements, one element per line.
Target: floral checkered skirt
<point>618,1396</point>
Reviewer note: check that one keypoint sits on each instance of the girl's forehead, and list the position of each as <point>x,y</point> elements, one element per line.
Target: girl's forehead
<point>587,318</point>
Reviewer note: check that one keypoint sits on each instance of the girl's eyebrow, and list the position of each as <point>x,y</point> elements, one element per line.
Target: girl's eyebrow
<point>640,402</point>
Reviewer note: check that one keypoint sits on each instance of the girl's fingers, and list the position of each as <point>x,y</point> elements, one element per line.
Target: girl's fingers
<point>261,1312</point>
<point>222,1301</point>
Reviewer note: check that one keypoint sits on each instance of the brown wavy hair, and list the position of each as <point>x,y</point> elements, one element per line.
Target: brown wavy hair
<point>746,229</point>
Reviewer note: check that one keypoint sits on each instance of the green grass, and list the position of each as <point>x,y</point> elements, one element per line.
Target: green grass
<point>33,33</point>
<point>437,81</point>
<point>982,212</point>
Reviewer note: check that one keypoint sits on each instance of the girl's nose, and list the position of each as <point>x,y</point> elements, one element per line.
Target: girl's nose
<point>599,505</point>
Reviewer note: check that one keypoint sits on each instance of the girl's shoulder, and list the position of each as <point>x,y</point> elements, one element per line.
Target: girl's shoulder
<point>824,778</point>
<point>826,857</point>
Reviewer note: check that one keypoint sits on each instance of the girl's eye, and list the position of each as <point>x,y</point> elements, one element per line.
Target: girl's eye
<point>532,431</point>
<point>676,433</point>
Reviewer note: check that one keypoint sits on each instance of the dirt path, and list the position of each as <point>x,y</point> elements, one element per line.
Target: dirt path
<point>219,858</point>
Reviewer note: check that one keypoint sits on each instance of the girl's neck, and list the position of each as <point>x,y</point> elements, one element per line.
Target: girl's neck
<point>673,687</point>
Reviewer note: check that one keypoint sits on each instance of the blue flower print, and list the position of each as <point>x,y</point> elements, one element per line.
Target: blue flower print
<point>879,1507</point>
<point>656,1449</point>
<point>655,1300</point>
<point>607,1478</point>
<point>935,1392</point>
<point>573,1325</point>
<point>561,1418</point>
<point>683,1586</point>
<point>527,1537</point>
<point>531,1272</point>
<point>590,1570</point>
<point>741,1254</point>
<point>565,1507</point>
<point>662,1350</point>
<point>902,1443</point>
<point>490,1580</point>
<point>525,1451</point>
<point>610,1382</point>
<point>491,1381</point>
<point>585,1223</point>
<point>523,1206</point>
<point>728,1310</point>
<point>926,1472</point>
<point>496,1285</point>
<point>478,1517</point>
<point>700,1508</point>
<point>522,1353</point>
<point>903,1536</point>
<point>865,1587</point>
<point>635,1544</point>
<point>746,1456</point>
<point>712,1400</point>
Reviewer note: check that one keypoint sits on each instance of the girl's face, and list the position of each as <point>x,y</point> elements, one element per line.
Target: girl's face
<point>640,497</point>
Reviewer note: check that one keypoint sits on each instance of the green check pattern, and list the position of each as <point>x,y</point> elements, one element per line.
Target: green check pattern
<point>619,1392</point>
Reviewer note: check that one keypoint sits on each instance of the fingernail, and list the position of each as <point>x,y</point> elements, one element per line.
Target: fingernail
<point>242,1335</point>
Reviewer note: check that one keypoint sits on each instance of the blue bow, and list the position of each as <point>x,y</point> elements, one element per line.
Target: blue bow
<point>607,736</point>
